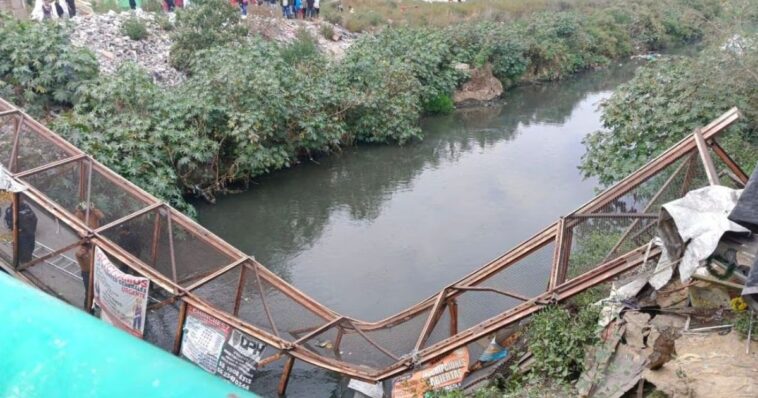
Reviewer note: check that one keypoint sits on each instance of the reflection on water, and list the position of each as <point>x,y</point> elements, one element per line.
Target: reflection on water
<point>375,229</point>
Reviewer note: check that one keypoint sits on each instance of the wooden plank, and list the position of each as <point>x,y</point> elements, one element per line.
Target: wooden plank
<point>705,157</point>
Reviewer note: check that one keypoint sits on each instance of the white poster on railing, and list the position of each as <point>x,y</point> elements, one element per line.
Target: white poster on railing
<point>122,298</point>
<point>220,349</point>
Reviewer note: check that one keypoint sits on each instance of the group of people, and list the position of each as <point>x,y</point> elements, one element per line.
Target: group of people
<point>60,12</point>
<point>290,8</point>
<point>300,8</point>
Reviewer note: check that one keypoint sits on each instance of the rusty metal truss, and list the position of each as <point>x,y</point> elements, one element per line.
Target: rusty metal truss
<point>193,267</point>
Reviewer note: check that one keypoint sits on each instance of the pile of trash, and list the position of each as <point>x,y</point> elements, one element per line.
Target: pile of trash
<point>102,34</point>
<point>672,328</point>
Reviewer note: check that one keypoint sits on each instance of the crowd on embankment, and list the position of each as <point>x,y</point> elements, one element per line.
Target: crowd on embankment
<point>249,106</point>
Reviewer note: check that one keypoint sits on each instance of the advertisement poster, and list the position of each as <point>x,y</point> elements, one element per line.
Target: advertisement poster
<point>122,298</point>
<point>444,374</point>
<point>220,349</point>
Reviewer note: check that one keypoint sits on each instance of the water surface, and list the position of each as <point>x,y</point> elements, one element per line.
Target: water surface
<point>375,229</point>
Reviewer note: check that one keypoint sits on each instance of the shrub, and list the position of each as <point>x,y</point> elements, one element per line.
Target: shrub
<point>164,23</point>
<point>557,339</point>
<point>206,24</point>
<point>666,101</point>
<point>441,104</point>
<point>39,69</point>
<point>103,6</point>
<point>327,31</point>
<point>304,47</point>
<point>134,28</point>
<point>155,6</point>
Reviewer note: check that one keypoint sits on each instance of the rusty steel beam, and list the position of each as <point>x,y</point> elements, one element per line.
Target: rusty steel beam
<point>216,274</point>
<point>493,290</point>
<point>298,351</point>
<point>129,217</point>
<point>729,162</point>
<point>705,157</point>
<point>51,165</point>
<point>585,216</point>
<point>649,205</point>
<point>264,300</point>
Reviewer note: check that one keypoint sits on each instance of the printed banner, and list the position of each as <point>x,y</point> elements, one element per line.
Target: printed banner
<point>444,374</point>
<point>122,298</point>
<point>220,349</point>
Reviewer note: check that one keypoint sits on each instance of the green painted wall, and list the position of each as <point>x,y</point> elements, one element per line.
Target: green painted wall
<point>50,349</point>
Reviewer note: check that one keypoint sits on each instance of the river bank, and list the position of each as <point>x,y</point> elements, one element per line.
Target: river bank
<point>250,106</point>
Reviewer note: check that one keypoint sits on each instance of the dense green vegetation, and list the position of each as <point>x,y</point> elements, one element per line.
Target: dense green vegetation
<point>669,98</point>
<point>39,70</point>
<point>250,106</point>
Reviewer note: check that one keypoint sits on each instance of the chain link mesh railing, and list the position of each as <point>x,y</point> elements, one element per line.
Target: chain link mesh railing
<point>190,267</point>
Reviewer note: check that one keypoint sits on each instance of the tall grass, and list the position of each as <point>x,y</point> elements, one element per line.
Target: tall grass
<point>363,15</point>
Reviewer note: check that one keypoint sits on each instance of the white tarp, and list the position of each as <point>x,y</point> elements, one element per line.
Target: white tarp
<point>7,183</point>
<point>122,298</point>
<point>700,218</point>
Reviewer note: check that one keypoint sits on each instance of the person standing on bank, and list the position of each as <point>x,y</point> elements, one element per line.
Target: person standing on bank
<point>243,8</point>
<point>309,9</point>
<point>84,253</point>
<point>27,230</point>
<point>71,8</point>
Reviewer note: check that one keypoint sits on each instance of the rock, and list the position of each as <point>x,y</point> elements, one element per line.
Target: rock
<point>482,87</point>
<point>461,67</point>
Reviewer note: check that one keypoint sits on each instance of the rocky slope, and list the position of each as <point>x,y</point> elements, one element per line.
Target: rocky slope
<point>102,34</point>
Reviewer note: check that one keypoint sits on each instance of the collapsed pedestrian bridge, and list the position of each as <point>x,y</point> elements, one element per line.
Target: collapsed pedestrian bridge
<point>190,269</point>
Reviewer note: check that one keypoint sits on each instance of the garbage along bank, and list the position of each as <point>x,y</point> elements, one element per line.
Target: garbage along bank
<point>98,240</point>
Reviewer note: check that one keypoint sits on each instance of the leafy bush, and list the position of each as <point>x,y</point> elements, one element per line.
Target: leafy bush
<point>130,125</point>
<point>207,24</point>
<point>164,23</point>
<point>557,339</point>
<point>103,6</point>
<point>39,69</point>
<point>153,6</point>
<point>327,31</point>
<point>304,47</point>
<point>426,52</point>
<point>134,28</point>
<point>666,101</point>
<point>441,104</point>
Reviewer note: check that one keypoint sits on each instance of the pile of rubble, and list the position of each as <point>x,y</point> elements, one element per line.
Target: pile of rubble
<point>102,34</point>
<point>674,328</point>
<point>333,40</point>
